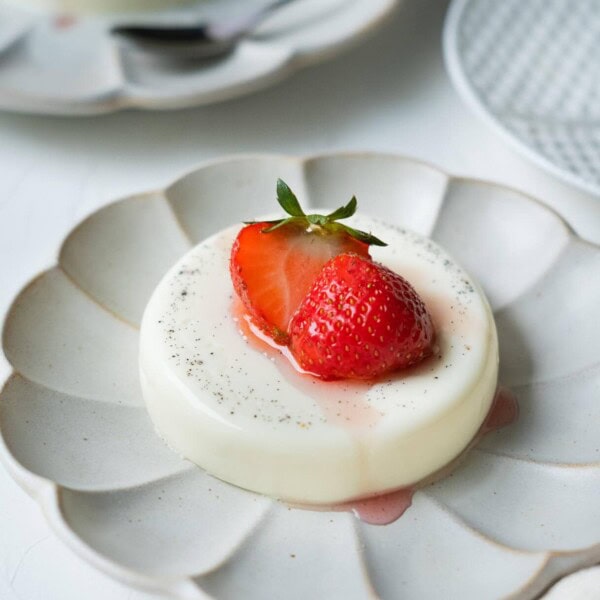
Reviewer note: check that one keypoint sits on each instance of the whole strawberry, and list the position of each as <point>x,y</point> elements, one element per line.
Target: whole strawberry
<point>359,321</point>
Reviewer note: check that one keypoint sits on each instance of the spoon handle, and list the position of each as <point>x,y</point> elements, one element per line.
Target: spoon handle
<point>236,28</point>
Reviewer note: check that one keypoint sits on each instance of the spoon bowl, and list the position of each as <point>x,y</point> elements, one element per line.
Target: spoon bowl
<point>204,40</point>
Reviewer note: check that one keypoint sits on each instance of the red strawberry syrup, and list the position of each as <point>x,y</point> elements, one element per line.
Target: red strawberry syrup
<point>380,510</point>
<point>333,398</point>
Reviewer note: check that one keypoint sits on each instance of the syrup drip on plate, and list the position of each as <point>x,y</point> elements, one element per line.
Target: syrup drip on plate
<point>504,412</point>
<point>380,510</point>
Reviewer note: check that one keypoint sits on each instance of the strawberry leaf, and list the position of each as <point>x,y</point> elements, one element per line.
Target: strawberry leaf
<point>343,212</point>
<point>362,236</point>
<point>287,199</point>
<point>323,223</point>
<point>317,219</point>
<point>277,224</point>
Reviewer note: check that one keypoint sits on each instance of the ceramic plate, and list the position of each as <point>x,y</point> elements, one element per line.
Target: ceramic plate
<point>53,66</point>
<point>532,70</point>
<point>522,510</point>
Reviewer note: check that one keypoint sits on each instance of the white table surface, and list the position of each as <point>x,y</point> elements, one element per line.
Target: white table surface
<point>391,94</point>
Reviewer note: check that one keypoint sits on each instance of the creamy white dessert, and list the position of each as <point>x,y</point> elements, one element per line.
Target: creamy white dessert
<point>245,415</point>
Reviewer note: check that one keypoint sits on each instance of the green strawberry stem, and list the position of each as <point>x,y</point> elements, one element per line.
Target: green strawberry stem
<point>324,223</point>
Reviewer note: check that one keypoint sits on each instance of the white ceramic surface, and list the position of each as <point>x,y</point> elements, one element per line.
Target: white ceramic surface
<point>532,71</point>
<point>582,585</point>
<point>51,67</point>
<point>75,434</point>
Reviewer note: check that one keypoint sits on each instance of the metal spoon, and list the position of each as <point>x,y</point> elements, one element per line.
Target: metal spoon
<point>204,40</point>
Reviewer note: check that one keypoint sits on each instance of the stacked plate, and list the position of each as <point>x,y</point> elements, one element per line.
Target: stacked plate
<point>55,65</point>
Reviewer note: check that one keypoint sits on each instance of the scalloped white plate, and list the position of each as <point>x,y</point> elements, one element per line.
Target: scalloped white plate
<point>80,69</point>
<point>531,69</point>
<point>521,511</point>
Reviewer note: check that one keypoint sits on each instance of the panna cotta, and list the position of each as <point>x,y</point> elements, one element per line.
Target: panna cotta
<point>236,407</point>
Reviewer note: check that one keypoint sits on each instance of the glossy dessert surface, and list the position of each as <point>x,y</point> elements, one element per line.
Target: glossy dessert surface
<point>239,410</point>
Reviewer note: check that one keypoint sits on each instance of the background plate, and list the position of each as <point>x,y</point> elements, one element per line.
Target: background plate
<point>46,67</point>
<point>74,431</point>
<point>532,70</point>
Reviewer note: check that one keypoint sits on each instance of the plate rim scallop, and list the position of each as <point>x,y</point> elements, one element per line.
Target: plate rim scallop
<point>472,99</point>
<point>47,493</point>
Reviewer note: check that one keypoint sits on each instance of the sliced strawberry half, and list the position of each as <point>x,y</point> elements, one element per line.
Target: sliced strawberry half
<point>274,264</point>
